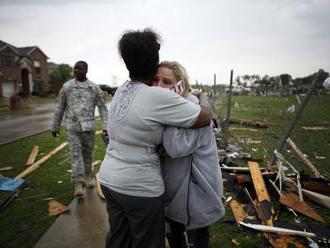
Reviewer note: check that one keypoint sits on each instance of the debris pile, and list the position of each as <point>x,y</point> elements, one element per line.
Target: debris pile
<point>257,197</point>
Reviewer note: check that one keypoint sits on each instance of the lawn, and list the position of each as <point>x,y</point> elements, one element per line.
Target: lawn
<point>25,220</point>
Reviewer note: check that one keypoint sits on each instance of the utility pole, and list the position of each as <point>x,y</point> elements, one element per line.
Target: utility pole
<point>295,118</point>
<point>229,100</point>
<point>214,87</point>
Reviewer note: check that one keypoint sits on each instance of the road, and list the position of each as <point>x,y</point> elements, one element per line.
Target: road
<point>21,124</point>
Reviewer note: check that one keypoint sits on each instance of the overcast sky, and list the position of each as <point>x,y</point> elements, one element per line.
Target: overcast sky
<point>207,37</point>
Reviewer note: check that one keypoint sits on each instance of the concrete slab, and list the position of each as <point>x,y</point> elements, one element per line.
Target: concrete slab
<point>85,226</point>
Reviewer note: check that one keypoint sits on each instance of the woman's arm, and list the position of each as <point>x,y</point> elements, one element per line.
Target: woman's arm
<point>205,116</point>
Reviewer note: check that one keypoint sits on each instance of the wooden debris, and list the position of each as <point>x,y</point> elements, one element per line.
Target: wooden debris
<point>96,163</point>
<point>235,242</point>
<point>284,241</point>
<point>257,124</point>
<point>303,158</point>
<point>7,168</point>
<point>320,199</point>
<point>56,208</point>
<point>37,164</point>
<point>291,200</point>
<point>278,230</point>
<point>315,128</point>
<point>33,156</point>
<point>98,132</point>
<point>98,187</point>
<point>261,190</point>
<point>243,129</point>
<point>318,185</point>
<point>238,211</point>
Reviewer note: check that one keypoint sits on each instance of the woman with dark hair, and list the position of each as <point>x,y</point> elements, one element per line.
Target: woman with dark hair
<point>130,173</point>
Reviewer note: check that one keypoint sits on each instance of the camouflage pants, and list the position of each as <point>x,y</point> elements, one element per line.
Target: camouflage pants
<point>81,146</point>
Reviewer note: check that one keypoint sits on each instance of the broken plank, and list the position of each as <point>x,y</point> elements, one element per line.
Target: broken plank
<point>238,211</point>
<point>33,156</point>
<point>320,199</point>
<point>261,190</point>
<point>243,129</point>
<point>7,168</point>
<point>98,187</point>
<point>37,164</point>
<point>253,123</point>
<point>277,230</point>
<point>303,158</point>
<point>291,200</point>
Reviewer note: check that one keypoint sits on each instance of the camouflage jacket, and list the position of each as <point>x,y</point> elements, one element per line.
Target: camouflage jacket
<point>77,102</point>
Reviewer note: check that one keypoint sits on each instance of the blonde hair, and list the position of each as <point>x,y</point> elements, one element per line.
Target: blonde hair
<point>179,72</point>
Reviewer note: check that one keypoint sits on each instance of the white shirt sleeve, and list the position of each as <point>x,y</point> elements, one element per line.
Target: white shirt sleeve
<point>169,108</point>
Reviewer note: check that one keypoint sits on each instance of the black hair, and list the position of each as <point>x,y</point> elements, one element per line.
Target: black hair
<point>82,62</point>
<point>140,52</point>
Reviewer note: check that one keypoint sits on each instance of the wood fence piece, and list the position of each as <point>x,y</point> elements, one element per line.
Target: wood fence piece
<point>291,200</point>
<point>37,164</point>
<point>253,123</point>
<point>98,187</point>
<point>320,199</point>
<point>277,230</point>
<point>303,158</point>
<point>243,129</point>
<point>7,168</point>
<point>96,163</point>
<point>238,211</point>
<point>33,156</point>
<point>260,187</point>
<point>315,128</point>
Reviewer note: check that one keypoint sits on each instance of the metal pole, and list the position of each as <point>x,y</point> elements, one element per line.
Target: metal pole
<point>214,87</point>
<point>229,99</point>
<point>295,118</point>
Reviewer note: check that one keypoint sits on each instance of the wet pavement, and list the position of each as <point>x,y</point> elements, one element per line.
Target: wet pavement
<point>85,226</point>
<point>23,123</point>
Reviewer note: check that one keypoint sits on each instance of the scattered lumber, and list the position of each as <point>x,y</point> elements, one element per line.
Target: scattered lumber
<point>261,191</point>
<point>33,156</point>
<point>96,163</point>
<point>238,211</point>
<point>243,129</point>
<point>56,208</point>
<point>278,230</point>
<point>291,200</point>
<point>37,164</point>
<point>320,199</point>
<point>315,128</point>
<point>303,158</point>
<point>7,168</point>
<point>257,124</point>
<point>98,188</point>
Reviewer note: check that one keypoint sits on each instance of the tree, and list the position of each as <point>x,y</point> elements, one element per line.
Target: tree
<point>59,76</point>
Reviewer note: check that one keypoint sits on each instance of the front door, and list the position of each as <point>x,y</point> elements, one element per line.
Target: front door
<point>25,82</point>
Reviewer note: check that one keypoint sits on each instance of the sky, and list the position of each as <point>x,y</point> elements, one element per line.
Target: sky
<point>207,37</point>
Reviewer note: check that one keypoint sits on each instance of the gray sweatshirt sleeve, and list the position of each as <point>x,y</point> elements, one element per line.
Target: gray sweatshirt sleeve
<point>180,142</point>
<point>59,111</point>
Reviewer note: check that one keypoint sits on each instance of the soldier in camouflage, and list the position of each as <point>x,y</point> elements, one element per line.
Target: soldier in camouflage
<point>76,102</point>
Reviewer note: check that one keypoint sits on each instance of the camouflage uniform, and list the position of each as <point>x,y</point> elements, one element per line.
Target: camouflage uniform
<point>77,102</point>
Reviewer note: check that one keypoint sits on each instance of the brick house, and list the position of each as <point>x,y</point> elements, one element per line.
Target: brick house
<point>23,70</point>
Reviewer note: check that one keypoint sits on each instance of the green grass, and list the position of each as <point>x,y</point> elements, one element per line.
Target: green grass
<point>25,220</point>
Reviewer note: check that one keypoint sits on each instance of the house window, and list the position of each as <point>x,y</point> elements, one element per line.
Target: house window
<point>7,60</point>
<point>37,69</point>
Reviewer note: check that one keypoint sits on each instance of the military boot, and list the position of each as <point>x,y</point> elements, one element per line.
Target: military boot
<point>78,190</point>
<point>89,182</point>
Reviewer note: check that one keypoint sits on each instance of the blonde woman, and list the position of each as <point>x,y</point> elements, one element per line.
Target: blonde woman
<point>192,176</point>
